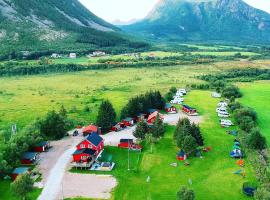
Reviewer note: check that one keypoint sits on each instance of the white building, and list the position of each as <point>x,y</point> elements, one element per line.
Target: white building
<point>55,55</point>
<point>99,53</point>
<point>72,55</point>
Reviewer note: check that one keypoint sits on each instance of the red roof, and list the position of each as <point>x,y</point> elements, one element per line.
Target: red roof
<point>154,114</point>
<point>90,129</point>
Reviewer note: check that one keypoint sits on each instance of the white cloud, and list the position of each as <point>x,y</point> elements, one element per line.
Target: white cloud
<point>126,10</point>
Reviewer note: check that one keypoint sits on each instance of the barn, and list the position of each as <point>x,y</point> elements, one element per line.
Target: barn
<point>29,158</point>
<point>84,155</point>
<point>42,146</point>
<point>152,118</point>
<point>93,141</point>
<point>189,110</point>
<point>128,121</point>
<point>91,129</point>
<point>19,171</point>
<point>170,108</point>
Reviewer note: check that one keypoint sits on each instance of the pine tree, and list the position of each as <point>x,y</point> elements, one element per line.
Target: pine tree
<point>196,133</point>
<point>185,194</point>
<point>158,129</point>
<point>141,130</point>
<point>22,186</point>
<point>106,116</point>
<point>189,144</point>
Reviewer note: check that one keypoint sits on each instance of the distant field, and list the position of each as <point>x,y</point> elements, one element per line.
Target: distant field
<point>213,47</point>
<point>211,177</point>
<point>225,53</point>
<point>257,96</point>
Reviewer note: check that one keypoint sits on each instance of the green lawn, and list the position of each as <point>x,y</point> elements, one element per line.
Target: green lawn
<point>225,53</point>
<point>257,96</point>
<point>6,193</point>
<point>212,176</point>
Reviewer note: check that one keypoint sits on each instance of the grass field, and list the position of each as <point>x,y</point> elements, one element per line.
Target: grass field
<point>212,176</point>
<point>257,96</point>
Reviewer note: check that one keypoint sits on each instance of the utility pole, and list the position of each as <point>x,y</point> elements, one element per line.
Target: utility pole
<point>128,157</point>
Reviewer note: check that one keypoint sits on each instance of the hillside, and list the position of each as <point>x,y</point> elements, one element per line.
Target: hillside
<point>54,25</point>
<point>205,20</point>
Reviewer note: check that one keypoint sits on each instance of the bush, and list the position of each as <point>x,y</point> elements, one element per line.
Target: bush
<point>22,186</point>
<point>185,194</point>
<point>231,91</point>
<point>141,130</point>
<point>256,140</point>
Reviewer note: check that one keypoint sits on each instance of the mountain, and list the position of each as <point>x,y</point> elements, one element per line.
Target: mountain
<point>54,25</point>
<point>205,20</point>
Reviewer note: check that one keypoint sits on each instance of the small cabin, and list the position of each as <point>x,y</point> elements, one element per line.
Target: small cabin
<point>152,118</point>
<point>29,158</point>
<point>189,110</point>
<point>91,129</point>
<point>170,108</point>
<point>118,127</point>
<point>19,171</point>
<point>128,121</point>
<point>151,110</point>
<point>93,141</point>
<point>84,155</point>
<point>42,146</point>
<point>181,155</point>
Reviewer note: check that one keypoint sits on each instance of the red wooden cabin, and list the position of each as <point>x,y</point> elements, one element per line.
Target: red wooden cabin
<point>118,126</point>
<point>152,118</point>
<point>170,108</point>
<point>29,158</point>
<point>42,146</point>
<point>19,171</point>
<point>181,155</point>
<point>93,141</point>
<point>189,110</point>
<point>91,129</point>
<point>128,143</point>
<point>128,121</point>
<point>84,155</point>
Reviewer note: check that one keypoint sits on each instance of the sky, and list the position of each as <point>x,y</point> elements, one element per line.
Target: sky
<point>126,10</point>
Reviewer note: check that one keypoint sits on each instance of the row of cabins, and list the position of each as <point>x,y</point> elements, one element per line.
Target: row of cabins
<point>30,158</point>
<point>74,55</point>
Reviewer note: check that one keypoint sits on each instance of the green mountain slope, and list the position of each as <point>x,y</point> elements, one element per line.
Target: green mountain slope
<point>205,20</point>
<point>55,25</point>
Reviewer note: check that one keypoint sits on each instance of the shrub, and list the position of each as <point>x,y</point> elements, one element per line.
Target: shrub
<point>256,140</point>
<point>185,194</point>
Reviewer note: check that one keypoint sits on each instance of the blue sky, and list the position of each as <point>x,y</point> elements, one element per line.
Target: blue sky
<point>126,10</point>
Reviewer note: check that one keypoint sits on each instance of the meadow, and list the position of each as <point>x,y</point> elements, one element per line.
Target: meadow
<point>211,177</point>
<point>257,96</point>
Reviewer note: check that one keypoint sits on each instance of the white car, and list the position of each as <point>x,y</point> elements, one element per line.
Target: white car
<point>183,91</point>
<point>216,95</point>
<point>222,104</point>
<point>221,109</point>
<point>178,97</point>
<point>226,123</point>
<point>223,114</point>
<point>179,94</point>
<point>177,101</point>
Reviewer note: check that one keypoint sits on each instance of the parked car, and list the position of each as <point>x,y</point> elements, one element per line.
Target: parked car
<point>183,91</point>
<point>221,109</point>
<point>226,123</point>
<point>222,104</point>
<point>177,101</point>
<point>75,133</point>
<point>223,114</point>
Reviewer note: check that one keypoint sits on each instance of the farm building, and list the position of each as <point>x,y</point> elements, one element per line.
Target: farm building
<point>170,108</point>
<point>152,118</point>
<point>42,146</point>
<point>189,110</point>
<point>29,158</point>
<point>99,53</point>
<point>19,171</point>
<point>91,129</point>
<point>84,155</point>
<point>93,141</point>
<point>128,121</point>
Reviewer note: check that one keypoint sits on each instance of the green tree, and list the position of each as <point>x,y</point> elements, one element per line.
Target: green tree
<point>22,186</point>
<point>231,91</point>
<point>189,144</point>
<point>185,194</point>
<point>106,116</point>
<point>55,125</point>
<point>196,133</point>
<point>256,140</point>
<point>262,194</point>
<point>158,129</point>
<point>141,129</point>
<point>150,140</point>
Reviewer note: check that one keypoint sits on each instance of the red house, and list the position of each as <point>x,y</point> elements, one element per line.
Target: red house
<point>84,155</point>
<point>189,110</point>
<point>181,155</point>
<point>118,127</point>
<point>152,118</point>
<point>93,141</point>
<point>91,129</point>
<point>170,108</point>
<point>128,121</point>
<point>42,146</point>
<point>19,171</point>
<point>29,158</point>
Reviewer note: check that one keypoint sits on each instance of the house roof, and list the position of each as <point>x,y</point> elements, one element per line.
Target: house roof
<point>42,144</point>
<point>154,114</point>
<point>90,129</point>
<point>85,151</point>
<point>29,155</point>
<point>128,119</point>
<point>20,170</point>
<point>151,110</point>
<point>95,139</point>
<point>188,107</point>
<point>181,153</point>
<point>167,105</point>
